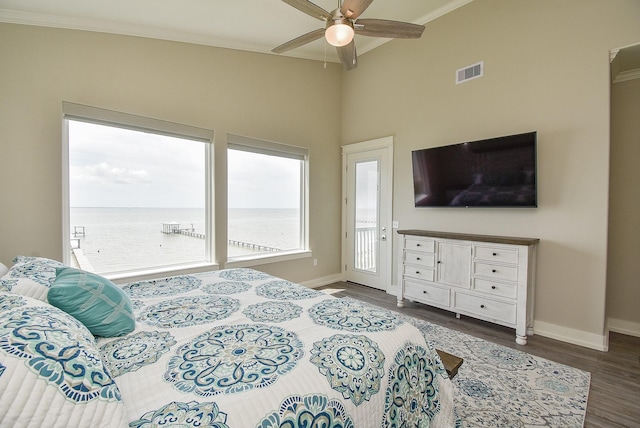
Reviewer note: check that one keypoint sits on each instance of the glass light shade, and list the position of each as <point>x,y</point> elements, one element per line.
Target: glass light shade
<point>339,34</point>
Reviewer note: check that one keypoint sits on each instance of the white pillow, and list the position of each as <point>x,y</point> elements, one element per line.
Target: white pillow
<point>30,276</point>
<point>51,370</point>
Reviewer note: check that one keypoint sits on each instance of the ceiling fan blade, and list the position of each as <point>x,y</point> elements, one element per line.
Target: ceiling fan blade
<point>353,8</point>
<point>310,9</point>
<point>389,29</point>
<point>348,56</point>
<point>299,41</point>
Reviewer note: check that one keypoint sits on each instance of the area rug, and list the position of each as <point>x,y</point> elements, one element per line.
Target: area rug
<point>503,387</point>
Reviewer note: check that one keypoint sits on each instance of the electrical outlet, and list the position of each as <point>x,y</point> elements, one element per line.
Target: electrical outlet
<point>396,224</point>
<point>315,262</point>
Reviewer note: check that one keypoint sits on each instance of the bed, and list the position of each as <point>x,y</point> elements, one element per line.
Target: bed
<point>228,348</point>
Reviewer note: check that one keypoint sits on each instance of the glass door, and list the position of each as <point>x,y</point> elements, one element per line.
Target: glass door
<point>367,213</point>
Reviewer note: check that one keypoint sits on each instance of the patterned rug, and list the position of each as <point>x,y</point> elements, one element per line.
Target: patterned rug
<point>498,386</point>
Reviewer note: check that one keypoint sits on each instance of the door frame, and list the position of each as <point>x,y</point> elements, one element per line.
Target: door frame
<point>384,143</point>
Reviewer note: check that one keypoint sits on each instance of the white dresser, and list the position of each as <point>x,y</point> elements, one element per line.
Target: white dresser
<point>487,277</point>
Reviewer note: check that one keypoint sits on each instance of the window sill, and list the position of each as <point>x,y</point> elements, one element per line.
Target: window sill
<point>263,259</point>
<point>142,275</point>
<point>235,262</point>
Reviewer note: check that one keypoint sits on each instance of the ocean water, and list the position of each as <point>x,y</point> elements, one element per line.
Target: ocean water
<point>121,239</point>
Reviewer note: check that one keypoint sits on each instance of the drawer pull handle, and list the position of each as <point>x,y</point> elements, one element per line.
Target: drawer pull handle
<point>418,245</point>
<point>424,291</point>
<point>417,272</point>
<point>494,254</point>
<point>493,270</point>
<point>482,306</point>
<point>493,287</point>
<point>418,258</point>
<point>439,262</point>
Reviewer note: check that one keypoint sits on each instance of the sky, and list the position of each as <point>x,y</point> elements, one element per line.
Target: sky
<point>114,167</point>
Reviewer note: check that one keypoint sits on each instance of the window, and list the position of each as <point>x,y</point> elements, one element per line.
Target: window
<point>138,192</point>
<point>267,185</point>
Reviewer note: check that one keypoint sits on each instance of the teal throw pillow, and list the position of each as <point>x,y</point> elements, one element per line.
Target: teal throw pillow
<point>96,302</point>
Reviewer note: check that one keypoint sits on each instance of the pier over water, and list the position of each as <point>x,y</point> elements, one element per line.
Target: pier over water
<point>175,228</point>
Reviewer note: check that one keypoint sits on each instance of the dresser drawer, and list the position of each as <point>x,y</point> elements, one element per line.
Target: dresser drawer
<point>495,288</point>
<point>427,293</point>
<point>421,259</point>
<point>419,273</point>
<point>507,273</point>
<point>422,245</point>
<point>486,308</point>
<point>496,254</point>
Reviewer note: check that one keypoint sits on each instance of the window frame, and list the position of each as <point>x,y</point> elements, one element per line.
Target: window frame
<point>254,145</point>
<point>100,116</point>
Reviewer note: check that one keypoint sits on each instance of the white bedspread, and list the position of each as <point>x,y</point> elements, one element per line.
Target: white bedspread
<point>240,348</point>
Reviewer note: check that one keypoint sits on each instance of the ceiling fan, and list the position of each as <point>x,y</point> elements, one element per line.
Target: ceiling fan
<point>341,26</point>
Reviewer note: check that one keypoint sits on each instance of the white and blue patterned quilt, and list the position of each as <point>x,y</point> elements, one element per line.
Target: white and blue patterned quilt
<point>241,348</point>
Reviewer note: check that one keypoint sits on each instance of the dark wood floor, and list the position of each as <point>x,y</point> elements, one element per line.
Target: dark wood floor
<point>614,396</point>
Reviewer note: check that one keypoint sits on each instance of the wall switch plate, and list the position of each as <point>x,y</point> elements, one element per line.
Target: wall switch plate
<point>395,224</point>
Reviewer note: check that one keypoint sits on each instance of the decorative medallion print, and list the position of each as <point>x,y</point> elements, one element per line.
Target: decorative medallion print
<point>9,301</point>
<point>2,369</point>
<point>40,270</point>
<point>352,364</point>
<point>232,359</point>
<point>311,411</point>
<point>189,310</point>
<point>412,393</point>
<point>59,350</point>
<point>162,287</point>
<point>243,274</point>
<point>503,357</point>
<point>285,290</point>
<point>350,315</point>
<point>132,352</point>
<point>476,388</point>
<point>7,284</point>
<point>555,385</point>
<point>183,415</point>
<point>226,287</point>
<point>272,312</point>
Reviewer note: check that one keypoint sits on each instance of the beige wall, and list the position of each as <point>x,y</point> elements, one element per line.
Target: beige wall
<point>546,69</point>
<point>256,95</point>
<point>623,275</point>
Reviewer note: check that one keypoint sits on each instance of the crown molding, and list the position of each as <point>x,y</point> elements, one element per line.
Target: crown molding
<point>625,76</point>
<point>111,27</point>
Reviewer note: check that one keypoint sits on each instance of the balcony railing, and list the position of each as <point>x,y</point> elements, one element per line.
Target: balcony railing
<point>366,248</point>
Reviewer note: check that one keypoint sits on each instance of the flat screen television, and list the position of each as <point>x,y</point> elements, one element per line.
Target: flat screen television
<point>496,172</point>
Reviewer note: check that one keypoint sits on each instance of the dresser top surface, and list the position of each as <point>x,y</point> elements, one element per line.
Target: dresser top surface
<point>510,240</point>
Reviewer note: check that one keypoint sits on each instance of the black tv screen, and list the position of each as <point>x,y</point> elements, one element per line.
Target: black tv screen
<point>497,172</point>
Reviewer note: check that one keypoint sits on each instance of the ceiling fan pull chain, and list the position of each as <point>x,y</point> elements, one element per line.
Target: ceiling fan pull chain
<point>325,54</point>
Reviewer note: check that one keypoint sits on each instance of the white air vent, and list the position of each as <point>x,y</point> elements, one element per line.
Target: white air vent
<point>469,73</point>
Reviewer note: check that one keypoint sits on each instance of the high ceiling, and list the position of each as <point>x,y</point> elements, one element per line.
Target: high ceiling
<point>251,25</point>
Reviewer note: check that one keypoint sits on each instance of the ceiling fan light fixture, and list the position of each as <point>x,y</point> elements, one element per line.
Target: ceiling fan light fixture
<point>339,32</point>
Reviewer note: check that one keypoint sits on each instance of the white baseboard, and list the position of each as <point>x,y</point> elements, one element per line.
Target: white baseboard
<point>552,331</point>
<point>319,282</point>
<point>625,327</point>
<point>570,335</point>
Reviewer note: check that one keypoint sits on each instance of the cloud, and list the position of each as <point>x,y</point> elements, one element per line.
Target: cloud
<point>104,173</point>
